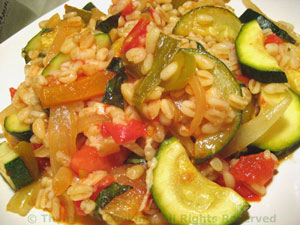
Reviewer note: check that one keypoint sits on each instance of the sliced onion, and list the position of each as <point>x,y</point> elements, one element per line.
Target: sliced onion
<point>200,104</point>
<point>256,127</point>
<point>42,152</point>
<point>62,133</point>
<point>67,203</point>
<point>86,121</point>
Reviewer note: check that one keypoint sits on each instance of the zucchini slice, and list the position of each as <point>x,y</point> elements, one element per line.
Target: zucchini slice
<point>40,41</point>
<point>222,24</point>
<point>185,196</point>
<point>255,61</point>
<point>264,23</point>
<point>102,40</point>
<point>13,168</point>
<point>16,128</point>
<point>210,144</point>
<point>293,77</point>
<point>284,134</point>
<point>55,63</point>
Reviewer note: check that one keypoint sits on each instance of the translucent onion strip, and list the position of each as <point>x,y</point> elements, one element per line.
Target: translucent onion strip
<point>200,104</point>
<point>256,127</point>
<point>62,133</point>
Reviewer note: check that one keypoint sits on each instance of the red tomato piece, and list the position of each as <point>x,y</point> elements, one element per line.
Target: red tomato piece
<point>78,210</point>
<point>127,10</point>
<point>273,38</point>
<point>122,134</point>
<point>103,183</point>
<point>42,163</point>
<point>88,159</point>
<point>253,169</point>
<point>137,36</point>
<point>246,193</point>
<point>245,80</point>
<point>12,92</point>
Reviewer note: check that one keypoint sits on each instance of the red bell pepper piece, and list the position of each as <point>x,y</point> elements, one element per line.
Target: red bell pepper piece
<point>137,36</point>
<point>122,134</point>
<point>87,159</point>
<point>103,183</point>
<point>245,80</point>
<point>273,38</point>
<point>253,169</point>
<point>127,10</point>
<point>12,92</point>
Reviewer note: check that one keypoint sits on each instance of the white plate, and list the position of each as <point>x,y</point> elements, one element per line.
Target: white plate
<point>280,206</point>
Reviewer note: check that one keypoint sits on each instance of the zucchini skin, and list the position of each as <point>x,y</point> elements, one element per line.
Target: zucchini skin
<point>264,23</point>
<point>21,135</point>
<point>263,76</point>
<point>17,173</point>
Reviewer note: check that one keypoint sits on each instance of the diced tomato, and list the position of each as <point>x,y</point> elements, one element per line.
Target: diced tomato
<point>122,134</point>
<point>245,80</point>
<point>36,146</point>
<point>88,159</point>
<point>79,211</point>
<point>241,189</point>
<point>103,183</point>
<point>43,163</point>
<point>253,169</point>
<point>246,193</point>
<point>127,10</point>
<point>137,36</point>
<point>12,92</point>
<point>273,38</point>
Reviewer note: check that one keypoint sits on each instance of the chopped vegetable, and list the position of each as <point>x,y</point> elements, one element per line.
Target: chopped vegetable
<point>136,37</point>
<point>103,183</point>
<point>13,168</point>
<point>223,24</point>
<point>113,95</point>
<point>255,128</point>
<point>255,61</point>
<point>274,39</point>
<point>127,10</point>
<point>121,133</point>
<point>253,169</point>
<point>25,150</point>
<point>108,24</point>
<point>180,190</point>
<point>24,199</point>
<point>166,49</point>
<point>62,180</point>
<point>107,194</point>
<point>55,63</point>
<point>12,92</point>
<point>135,159</point>
<point>82,89</point>
<point>284,134</point>
<point>265,23</point>
<point>17,128</point>
<point>293,77</point>
<point>62,134</point>
<point>89,6</point>
<point>186,67</point>
<point>88,159</point>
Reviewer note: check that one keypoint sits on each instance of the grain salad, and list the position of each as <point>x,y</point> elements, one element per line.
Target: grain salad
<point>155,111</point>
